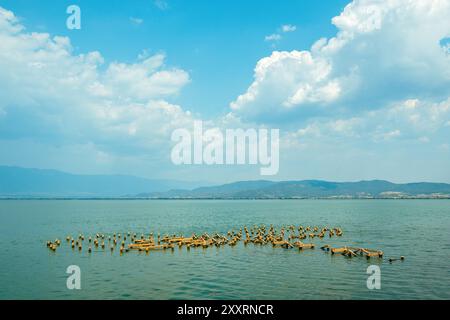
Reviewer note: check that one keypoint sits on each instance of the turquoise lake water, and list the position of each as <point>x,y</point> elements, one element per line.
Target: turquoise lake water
<point>416,229</point>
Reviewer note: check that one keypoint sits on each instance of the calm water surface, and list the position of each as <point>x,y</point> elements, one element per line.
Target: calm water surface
<point>416,229</point>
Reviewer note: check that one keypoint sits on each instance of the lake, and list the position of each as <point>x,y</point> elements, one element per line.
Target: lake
<point>416,229</point>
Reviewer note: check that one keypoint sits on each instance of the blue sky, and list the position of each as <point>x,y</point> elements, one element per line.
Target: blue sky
<point>359,89</point>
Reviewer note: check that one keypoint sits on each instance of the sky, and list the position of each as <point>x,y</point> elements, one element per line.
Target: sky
<point>359,89</point>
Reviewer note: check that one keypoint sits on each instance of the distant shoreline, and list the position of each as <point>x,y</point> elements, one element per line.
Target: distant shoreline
<point>208,199</point>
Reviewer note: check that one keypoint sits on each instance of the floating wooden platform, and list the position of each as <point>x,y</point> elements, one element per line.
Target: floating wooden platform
<point>353,252</point>
<point>258,235</point>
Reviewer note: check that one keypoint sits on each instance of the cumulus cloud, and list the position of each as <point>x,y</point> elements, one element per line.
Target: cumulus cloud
<point>404,141</point>
<point>286,79</point>
<point>371,102</point>
<point>384,51</point>
<point>407,120</point>
<point>145,80</point>
<point>50,94</point>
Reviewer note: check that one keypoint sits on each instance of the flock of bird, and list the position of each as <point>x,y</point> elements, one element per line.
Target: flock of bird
<point>287,237</point>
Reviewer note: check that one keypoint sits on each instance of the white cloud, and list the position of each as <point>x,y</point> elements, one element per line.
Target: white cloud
<point>330,129</point>
<point>384,51</point>
<point>311,130</point>
<point>144,80</point>
<point>273,37</point>
<point>288,28</point>
<point>9,22</point>
<point>283,29</point>
<point>286,79</point>
<point>51,94</point>
<point>410,119</point>
<point>387,135</point>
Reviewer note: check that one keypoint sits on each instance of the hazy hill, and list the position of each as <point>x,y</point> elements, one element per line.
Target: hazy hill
<point>21,182</point>
<point>15,181</point>
<point>310,189</point>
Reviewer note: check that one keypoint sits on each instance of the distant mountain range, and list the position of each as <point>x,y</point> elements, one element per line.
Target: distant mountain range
<point>309,189</point>
<point>22,182</point>
<point>18,182</point>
